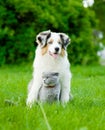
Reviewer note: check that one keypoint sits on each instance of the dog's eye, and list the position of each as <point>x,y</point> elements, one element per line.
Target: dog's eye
<point>59,43</point>
<point>50,42</point>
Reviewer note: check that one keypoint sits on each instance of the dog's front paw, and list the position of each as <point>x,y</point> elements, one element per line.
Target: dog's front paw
<point>64,99</point>
<point>30,102</point>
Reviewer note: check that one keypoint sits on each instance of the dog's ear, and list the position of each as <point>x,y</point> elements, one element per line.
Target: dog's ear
<point>65,40</point>
<point>42,37</point>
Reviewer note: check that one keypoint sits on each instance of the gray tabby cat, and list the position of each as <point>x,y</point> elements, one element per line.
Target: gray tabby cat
<point>50,89</point>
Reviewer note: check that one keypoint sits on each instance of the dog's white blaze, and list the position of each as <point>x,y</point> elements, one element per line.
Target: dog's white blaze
<point>54,45</point>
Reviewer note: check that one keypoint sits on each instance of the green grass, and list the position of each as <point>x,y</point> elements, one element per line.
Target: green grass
<point>85,112</point>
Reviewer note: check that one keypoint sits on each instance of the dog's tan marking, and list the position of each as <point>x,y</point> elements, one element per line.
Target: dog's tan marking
<point>59,41</point>
<point>44,49</point>
<point>62,52</point>
<point>50,41</point>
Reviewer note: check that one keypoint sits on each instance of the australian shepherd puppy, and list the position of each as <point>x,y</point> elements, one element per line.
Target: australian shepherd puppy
<point>51,56</point>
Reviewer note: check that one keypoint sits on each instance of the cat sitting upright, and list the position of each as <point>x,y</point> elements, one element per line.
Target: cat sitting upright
<point>50,89</point>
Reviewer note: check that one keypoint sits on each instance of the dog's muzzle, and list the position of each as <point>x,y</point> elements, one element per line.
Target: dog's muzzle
<point>54,55</point>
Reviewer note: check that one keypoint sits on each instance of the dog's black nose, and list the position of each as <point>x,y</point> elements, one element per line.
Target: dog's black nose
<point>57,49</point>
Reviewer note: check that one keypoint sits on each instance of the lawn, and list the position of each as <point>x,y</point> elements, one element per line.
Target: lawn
<point>85,112</point>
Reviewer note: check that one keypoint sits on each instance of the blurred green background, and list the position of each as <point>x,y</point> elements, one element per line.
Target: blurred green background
<point>21,20</point>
